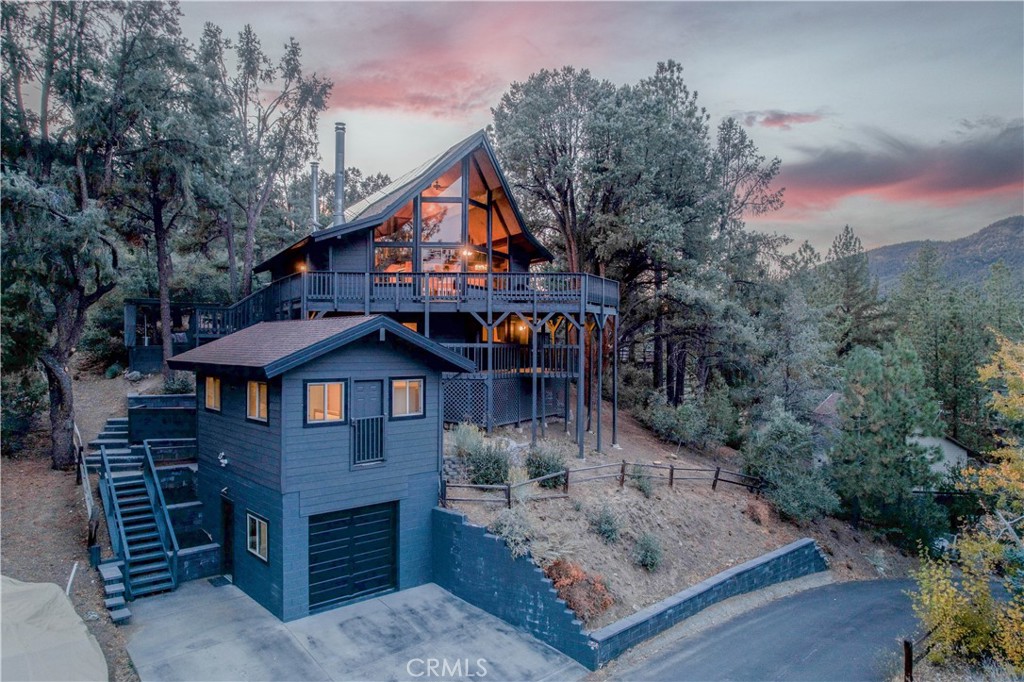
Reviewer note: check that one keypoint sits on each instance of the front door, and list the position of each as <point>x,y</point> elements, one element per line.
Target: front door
<point>227,515</point>
<point>367,399</point>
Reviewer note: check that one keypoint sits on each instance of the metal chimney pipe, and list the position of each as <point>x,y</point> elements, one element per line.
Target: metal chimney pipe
<point>339,173</point>
<point>314,195</point>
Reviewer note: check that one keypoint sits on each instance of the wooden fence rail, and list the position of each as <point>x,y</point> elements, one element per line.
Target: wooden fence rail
<point>716,476</point>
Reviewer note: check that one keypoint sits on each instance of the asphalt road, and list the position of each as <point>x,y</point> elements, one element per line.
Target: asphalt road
<point>845,631</point>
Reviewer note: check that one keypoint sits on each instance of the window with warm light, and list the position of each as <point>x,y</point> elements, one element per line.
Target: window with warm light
<point>407,398</point>
<point>325,402</point>
<point>256,535</point>
<point>256,401</point>
<point>213,393</point>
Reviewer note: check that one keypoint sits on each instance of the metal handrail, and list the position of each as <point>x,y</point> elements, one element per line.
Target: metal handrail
<point>126,554</point>
<point>150,467</point>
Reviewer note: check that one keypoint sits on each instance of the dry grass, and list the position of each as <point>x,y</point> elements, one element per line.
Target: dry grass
<point>702,532</point>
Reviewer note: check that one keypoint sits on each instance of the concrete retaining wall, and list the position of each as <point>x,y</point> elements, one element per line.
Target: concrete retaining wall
<point>198,562</point>
<point>476,566</point>
<point>161,422</point>
<point>795,560</point>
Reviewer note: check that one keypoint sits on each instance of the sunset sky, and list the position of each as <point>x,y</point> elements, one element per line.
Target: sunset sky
<point>905,120</point>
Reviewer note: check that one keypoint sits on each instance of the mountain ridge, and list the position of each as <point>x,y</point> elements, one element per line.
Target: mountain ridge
<point>966,260</point>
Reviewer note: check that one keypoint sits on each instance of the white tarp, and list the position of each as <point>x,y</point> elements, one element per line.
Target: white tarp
<point>42,636</point>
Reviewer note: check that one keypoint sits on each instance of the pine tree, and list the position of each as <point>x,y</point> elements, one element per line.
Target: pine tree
<point>857,315</point>
<point>876,461</point>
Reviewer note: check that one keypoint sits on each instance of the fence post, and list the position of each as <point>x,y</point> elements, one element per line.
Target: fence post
<point>714,484</point>
<point>565,483</point>
<point>671,474</point>
<point>622,474</point>
<point>508,495</point>
<point>908,661</point>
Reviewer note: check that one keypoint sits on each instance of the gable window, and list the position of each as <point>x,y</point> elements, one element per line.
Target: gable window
<point>213,393</point>
<point>256,402</point>
<point>256,535</point>
<point>325,402</point>
<point>406,398</point>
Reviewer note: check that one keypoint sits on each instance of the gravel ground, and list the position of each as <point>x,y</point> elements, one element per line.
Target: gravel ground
<point>43,520</point>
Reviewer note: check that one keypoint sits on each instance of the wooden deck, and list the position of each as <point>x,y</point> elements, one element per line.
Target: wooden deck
<point>299,295</point>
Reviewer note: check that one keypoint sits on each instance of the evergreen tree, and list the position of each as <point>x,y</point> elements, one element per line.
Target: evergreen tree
<point>876,461</point>
<point>857,315</point>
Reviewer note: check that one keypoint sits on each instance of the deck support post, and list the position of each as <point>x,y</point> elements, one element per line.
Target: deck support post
<point>489,417</point>
<point>615,381</point>
<point>580,382</point>
<point>533,384</point>
<point>600,374</point>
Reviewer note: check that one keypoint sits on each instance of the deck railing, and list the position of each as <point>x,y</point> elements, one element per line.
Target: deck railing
<point>368,440</point>
<point>294,295</point>
<point>516,357</point>
<point>165,527</point>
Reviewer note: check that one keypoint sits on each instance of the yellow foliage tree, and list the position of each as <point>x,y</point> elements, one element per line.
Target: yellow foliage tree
<point>967,623</point>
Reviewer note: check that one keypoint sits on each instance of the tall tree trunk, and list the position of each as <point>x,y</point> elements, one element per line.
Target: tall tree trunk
<point>670,373</point>
<point>248,251</point>
<point>62,408</point>
<point>163,273</point>
<point>681,378</point>
<point>229,238</point>
<point>658,366</point>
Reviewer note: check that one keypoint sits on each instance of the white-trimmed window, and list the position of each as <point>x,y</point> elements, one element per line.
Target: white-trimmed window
<point>256,535</point>
<point>406,398</point>
<point>256,403</point>
<point>325,402</point>
<point>213,393</point>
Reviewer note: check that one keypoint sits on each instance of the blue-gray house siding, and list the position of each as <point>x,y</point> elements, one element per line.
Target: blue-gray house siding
<point>286,471</point>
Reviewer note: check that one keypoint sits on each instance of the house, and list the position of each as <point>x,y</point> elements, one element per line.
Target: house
<point>445,251</point>
<point>319,445</point>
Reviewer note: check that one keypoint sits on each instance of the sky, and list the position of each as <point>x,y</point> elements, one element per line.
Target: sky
<point>903,120</point>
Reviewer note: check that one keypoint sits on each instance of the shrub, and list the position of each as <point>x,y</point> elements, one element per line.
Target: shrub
<point>686,423</point>
<point>781,453</point>
<point>639,479</point>
<point>544,460</point>
<point>179,382</point>
<point>23,398</point>
<point>466,438</point>
<point>647,552</point>
<point>103,338</point>
<point>113,371</point>
<point>488,465</point>
<point>586,595</point>
<point>606,524</point>
<point>514,528</point>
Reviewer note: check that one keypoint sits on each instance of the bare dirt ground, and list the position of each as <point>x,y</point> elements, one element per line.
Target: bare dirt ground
<point>702,532</point>
<point>43,519</point>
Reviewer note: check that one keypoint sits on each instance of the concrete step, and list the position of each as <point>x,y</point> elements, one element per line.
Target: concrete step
<point>113,435</point>
<point>110,573</point>
<point>148,579</point>
<point>118,420</point>
<point>108,442</point>
<point>113,603</point>
<point>113,426</point>
<point>96,467</point>
<point>114,589</point>
<point>153,588</point>
<point>143,572</point>
<point>120,616</point>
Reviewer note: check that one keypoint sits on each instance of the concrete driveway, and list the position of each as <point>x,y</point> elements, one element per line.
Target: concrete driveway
<point>202,632</point>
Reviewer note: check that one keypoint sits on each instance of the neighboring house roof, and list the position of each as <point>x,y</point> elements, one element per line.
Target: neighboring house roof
<point>269,349</point>
<point>829,407</point>
<point>382,204</point>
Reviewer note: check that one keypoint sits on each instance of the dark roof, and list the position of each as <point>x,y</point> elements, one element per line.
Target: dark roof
<point>272,348</point>
<point>382,204</point>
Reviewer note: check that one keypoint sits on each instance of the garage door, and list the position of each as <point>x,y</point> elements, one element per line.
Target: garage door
<point>352,553</point>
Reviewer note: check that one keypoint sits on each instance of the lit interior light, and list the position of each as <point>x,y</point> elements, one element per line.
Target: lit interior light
<point>302,267</point>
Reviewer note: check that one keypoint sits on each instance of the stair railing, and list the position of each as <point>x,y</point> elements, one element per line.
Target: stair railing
<point>126,554</point>
<point>82,478</point>
<point>168,538</point>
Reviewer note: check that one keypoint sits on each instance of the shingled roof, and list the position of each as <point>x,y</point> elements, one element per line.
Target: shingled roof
<point>269,349</point>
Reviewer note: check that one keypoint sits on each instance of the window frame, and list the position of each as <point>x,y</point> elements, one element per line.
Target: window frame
<point>344,402</point>
<point>206,393</point>
<point>248,412</point>
<point>391,398</point>
<point>251,517</point>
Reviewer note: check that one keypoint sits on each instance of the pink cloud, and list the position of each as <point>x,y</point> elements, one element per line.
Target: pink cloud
<point>989,163</point>
<point>775,118</point>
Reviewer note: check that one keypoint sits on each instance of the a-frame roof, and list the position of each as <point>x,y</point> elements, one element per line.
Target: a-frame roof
<point>269,349</point>
<point>381,205</point>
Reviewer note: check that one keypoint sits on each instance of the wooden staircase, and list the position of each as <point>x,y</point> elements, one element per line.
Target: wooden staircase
<point>146,566</point>
<point>120,454</point>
